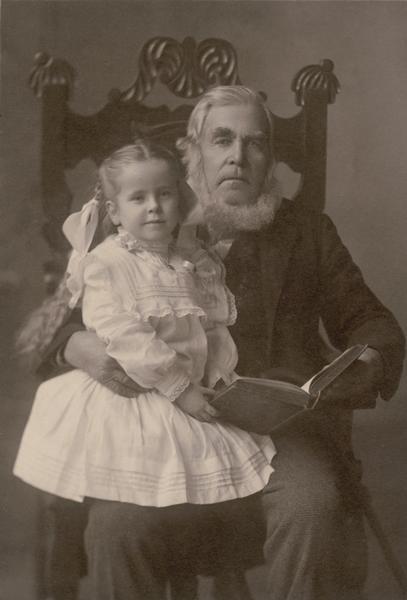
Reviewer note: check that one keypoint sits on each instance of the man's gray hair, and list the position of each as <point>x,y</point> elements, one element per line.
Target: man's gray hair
<point>223,95</point>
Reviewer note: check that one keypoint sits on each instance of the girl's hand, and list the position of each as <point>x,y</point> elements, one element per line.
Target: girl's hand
<point>193,402</point>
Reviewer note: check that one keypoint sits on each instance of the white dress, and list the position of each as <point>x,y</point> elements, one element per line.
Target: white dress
<point>165,322</point>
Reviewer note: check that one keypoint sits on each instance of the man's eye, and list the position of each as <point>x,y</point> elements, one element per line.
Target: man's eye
<point>222,141</point>
<point>258,144</point>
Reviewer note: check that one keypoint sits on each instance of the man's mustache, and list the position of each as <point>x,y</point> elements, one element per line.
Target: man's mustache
<point>233,175</point>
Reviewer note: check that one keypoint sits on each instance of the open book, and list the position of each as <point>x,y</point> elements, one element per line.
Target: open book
<point>261,405</point>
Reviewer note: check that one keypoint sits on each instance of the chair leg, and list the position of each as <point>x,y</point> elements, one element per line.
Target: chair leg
<point>40,550</point>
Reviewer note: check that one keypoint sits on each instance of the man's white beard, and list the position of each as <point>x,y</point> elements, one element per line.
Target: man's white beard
<point>225,220</point>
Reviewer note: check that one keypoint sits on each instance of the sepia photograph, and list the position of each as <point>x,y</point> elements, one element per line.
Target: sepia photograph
<point>203,300</point>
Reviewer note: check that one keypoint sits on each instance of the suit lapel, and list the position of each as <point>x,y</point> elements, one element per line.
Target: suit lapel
<point>275,249</point>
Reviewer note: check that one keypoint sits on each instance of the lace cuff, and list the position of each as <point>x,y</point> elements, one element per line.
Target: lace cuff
<point>232,310</point>
<point>173,384</point>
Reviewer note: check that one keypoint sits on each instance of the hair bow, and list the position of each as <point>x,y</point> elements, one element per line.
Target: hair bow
<point>79,229</point>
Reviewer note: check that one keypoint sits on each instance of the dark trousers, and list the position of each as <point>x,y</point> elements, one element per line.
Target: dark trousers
<point>315,545</point>
<point>134,550</point>
<point>312,537</point>
<point>63,526</point>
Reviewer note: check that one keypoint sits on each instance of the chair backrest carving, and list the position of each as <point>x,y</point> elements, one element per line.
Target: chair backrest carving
<point>187,69</point>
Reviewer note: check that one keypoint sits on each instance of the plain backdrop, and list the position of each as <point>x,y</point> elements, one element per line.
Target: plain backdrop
<point>366,185</point>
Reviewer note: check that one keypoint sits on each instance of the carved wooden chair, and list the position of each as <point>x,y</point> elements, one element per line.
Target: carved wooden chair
<point>187,69</point>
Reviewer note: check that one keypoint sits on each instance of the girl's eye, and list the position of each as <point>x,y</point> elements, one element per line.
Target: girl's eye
<point>137,198</point>
<point>165,193</point>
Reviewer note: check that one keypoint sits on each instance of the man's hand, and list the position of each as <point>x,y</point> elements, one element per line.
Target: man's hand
<point>85,351</point>
<point>193,402</point>
<point>358,386</point>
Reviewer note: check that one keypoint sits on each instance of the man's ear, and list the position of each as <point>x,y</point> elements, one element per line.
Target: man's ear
<point>113,212</point>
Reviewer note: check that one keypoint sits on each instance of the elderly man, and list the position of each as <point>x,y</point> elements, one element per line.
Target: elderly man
<point>288,270</point>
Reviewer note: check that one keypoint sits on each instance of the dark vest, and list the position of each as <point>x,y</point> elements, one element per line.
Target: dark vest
<point>243,278</point>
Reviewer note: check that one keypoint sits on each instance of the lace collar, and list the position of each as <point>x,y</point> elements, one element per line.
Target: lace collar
<point>129,242</point>
<point>161,253</point>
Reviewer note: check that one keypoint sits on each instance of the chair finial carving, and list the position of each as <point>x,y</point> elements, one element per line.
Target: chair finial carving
<point>316,77</point>
<point>49,71</point>
<point>187,69</point>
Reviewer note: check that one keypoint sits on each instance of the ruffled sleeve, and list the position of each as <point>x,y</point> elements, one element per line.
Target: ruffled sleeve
<point>219,302</point>
<point>130,339</point>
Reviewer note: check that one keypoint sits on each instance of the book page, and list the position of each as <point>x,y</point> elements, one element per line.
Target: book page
<point>330,372</point>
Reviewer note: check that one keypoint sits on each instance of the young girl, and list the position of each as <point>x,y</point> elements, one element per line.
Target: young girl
<point>159,302</point>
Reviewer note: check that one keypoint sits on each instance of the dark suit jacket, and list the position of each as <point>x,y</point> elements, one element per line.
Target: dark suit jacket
<point>306,274</point>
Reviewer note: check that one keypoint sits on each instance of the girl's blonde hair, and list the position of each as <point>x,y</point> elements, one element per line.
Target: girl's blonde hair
<point>41,325</point>
<point>139,151</point>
